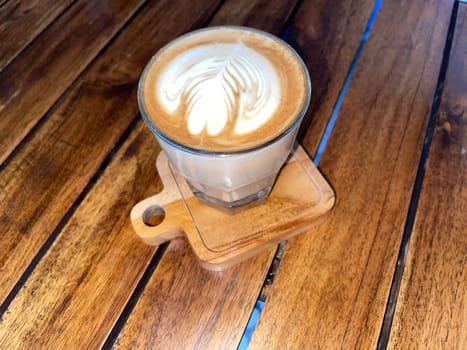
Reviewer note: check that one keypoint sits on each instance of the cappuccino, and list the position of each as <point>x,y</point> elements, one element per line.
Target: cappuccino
<point>224,89</point>
<point>225,104</point>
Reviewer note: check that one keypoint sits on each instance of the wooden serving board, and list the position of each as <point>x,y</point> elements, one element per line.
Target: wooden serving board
<point>299,198</point>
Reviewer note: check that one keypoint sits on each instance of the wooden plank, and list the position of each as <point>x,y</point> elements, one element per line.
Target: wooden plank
<point>431,309</point>
<point>77,303</point>
<point>333,282</point>
<point>41,183</point>
<point>267,15</point>
<point>53,62</point>
<point>22,21</point>
<point>184,306</point>
<point>328,47</point>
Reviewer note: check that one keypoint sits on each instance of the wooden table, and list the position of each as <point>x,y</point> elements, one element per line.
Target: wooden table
<point>387,127</point>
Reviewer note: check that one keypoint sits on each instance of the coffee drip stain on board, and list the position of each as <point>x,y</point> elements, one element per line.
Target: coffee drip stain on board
<point>450,120</point>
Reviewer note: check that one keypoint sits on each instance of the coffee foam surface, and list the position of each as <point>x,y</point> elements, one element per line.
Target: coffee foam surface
<point>224,89</point>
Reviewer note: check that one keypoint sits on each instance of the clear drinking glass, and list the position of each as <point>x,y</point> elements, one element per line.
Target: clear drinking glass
<point>231,179</point>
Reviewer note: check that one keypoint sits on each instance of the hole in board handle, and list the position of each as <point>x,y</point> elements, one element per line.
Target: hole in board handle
<point>154,215</point>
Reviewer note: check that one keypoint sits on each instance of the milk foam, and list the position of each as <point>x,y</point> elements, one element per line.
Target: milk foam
<point>220,84</point>
<point>224,89</point>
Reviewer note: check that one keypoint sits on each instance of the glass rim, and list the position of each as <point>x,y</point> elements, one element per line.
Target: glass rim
<point>197,151</point>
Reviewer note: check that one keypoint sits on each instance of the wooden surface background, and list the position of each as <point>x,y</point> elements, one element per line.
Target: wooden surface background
<point>75,157</point>
<point>432,310</point>
<point>343,270</point>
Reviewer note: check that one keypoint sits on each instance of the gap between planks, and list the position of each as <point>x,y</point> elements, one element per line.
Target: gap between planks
<point>131,303</point>
<point>58,229</point>
<point>414,200</point>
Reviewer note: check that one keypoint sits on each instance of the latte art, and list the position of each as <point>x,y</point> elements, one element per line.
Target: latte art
<point>220,84</point>
<point>224,89</point>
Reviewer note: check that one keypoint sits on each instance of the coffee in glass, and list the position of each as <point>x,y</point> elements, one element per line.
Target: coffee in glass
<point>225,104</point>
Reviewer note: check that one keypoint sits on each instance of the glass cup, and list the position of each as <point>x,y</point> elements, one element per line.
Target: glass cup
<point>231,180</point>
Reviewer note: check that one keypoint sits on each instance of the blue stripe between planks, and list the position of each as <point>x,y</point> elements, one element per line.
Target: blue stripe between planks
<point>251,325</point>
<point>321,147</point>
<point>348,78</point>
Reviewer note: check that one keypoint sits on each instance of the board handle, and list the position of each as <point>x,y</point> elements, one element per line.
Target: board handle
<point>164,216</point>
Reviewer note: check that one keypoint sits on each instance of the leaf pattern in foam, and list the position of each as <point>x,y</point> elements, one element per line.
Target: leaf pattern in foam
<point>237,85</point>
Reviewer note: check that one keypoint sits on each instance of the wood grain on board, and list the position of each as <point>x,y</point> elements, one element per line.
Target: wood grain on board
<point>43,180</point>
<point>42,73</point>
<point>206,309</point>
<point>22,21</point>
<point>431,311</point>
<point>300,199</point>
<point>333,282</point>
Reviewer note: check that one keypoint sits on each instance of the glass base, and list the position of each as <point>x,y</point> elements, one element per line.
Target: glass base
<point>233,207</point>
